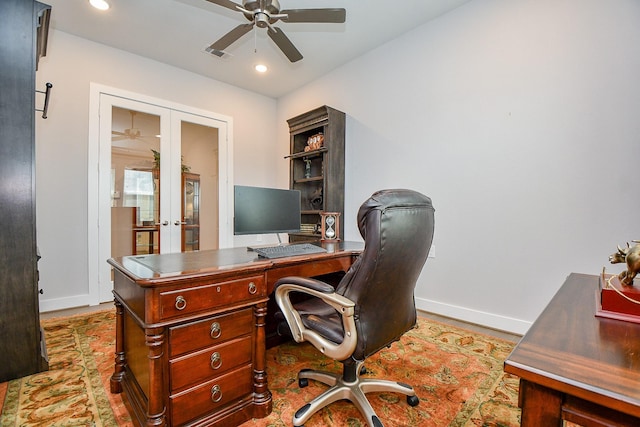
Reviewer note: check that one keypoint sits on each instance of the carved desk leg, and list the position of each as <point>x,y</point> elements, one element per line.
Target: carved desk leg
<point>156,411</point>
<point>118,372</point>
<point>262,397</point>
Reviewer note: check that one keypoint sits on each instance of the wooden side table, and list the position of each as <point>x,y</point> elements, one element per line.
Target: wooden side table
<point>576,367</point>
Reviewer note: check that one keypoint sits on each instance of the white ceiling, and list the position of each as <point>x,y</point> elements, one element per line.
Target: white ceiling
<point>177,31</point>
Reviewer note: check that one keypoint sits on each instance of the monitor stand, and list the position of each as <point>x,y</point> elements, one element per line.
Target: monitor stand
<point>253,248</point>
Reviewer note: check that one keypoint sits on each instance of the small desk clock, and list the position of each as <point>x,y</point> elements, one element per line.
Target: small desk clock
<point>330,226</point>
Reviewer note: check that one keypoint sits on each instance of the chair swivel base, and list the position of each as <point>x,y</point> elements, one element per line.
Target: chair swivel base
<point>353,391</point>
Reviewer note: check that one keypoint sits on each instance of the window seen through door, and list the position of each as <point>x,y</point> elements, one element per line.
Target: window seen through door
<point>138,192</point>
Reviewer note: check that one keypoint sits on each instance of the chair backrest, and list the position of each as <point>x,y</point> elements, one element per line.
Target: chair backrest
<point>397,227</point>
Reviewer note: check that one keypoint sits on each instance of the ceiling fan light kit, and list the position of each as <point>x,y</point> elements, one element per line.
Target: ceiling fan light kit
<point>265,13</point>
<point>99,4</point>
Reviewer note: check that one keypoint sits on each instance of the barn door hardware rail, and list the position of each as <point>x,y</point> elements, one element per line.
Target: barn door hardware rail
<point>46,92</point>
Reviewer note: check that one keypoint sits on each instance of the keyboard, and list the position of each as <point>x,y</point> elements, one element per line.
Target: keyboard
<point>288,250</point>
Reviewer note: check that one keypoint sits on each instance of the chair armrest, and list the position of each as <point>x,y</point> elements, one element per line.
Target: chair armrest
<point>326,293</point>
<point>307,282</point>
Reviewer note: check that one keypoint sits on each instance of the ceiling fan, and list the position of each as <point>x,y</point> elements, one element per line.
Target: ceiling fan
<point>265,13</point>
<point>132,133</point>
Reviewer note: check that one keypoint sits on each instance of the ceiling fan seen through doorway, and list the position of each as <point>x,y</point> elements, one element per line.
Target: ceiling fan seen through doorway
<point>132,133</point>
<point>265,13</point>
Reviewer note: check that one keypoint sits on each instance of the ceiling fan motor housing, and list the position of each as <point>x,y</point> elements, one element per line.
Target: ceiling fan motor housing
<point>262,11</point>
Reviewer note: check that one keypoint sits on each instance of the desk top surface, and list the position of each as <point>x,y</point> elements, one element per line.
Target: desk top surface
<point>149,267</point>
<point>571,350</point>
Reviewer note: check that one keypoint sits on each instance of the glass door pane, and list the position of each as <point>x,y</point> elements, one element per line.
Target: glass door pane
<point>200,181</point>
<point>135,182</point>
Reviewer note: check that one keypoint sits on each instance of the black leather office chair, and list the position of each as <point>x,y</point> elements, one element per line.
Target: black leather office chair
<point>371,307</point>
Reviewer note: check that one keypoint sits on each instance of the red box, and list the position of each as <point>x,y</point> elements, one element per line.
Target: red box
<point>611,304</point>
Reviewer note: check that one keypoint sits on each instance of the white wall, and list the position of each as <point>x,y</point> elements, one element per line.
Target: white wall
<point>520,120</point>
<point>62,142</point>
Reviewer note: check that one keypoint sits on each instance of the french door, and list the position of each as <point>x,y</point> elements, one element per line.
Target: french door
<point>163,180</point>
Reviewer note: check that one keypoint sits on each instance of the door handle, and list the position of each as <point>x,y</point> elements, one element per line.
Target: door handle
<point>179,223</point>
<point>165,223</point>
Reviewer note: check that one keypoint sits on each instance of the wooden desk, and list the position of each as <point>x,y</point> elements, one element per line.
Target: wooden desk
<point>190,332</point>
<point>578,367</point>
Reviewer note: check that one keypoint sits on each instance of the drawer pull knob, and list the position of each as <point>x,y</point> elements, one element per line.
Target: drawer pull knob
<point>216,361</point>
<point>216,330</point>
<point>181,303</point>
<point>216,394</point>
<point>252,288</point>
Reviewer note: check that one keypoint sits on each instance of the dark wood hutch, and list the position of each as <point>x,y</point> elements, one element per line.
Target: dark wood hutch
<point>316,167</point>
<point>23,31</point>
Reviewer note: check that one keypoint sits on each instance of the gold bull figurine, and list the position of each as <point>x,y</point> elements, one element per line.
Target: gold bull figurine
<point>630,256</point>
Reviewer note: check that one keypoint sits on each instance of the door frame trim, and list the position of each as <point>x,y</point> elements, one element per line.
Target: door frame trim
<point>101,292</point>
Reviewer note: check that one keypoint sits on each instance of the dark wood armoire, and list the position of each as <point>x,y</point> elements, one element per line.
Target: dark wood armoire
<point>22,350</point>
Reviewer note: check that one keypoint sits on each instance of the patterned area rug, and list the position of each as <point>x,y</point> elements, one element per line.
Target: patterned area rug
<point>457,375</point>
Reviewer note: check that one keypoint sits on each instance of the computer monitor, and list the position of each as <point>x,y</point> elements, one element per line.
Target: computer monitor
<point>259,210</point>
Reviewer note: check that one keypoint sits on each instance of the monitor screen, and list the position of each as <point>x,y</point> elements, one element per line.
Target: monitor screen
<point>260,210</point>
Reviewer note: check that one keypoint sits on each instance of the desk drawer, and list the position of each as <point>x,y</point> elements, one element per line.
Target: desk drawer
<point>210,396</point>
<point>208,332</point>
<point>205,297</point>
<point>210,362</point>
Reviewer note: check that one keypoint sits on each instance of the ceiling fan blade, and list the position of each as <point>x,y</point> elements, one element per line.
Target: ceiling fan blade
<point>285,45</point>
<point>120,138</point>
<point>148,139</point>
<point>225,41</point>
<point>115,132</point>
<point>226,3</point>
<point>315,15</point>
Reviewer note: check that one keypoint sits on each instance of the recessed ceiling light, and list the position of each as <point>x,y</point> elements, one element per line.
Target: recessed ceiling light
<point>261,68</point>
<point>99,4</point>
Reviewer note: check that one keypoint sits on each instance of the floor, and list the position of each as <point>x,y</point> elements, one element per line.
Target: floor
<point>473,327</point>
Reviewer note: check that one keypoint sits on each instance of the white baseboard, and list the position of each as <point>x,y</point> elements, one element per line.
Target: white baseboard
<point>489,320</point>
<point>55,304</point>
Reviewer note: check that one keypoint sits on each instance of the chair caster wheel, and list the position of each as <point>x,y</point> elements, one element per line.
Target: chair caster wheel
<point>413,400</point>
<point>302,383</point>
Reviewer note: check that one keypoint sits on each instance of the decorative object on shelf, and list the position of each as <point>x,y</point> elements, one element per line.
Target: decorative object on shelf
<point>308,228</point>
<point>315,142</point>
<point>330,223</point>
<point>630,256</point>
<point>307,168</point>
<point>315,201</point>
